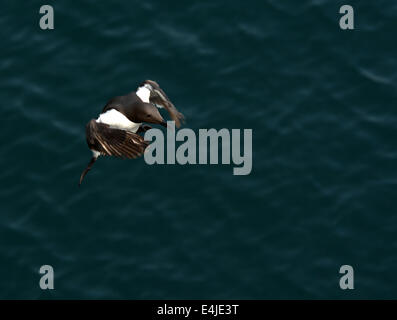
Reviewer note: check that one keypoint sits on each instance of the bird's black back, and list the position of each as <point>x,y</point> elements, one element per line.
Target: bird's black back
<point>124,104</point>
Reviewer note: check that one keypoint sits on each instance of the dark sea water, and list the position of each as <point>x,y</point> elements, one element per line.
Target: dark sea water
<point>322,192</point>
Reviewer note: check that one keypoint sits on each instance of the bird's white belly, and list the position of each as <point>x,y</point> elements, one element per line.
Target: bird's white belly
<point>117,120</point>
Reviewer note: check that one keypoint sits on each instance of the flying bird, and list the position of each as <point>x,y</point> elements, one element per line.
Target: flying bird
<point>116,131</point>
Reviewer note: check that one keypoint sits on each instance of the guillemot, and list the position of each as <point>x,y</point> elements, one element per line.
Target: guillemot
<point>116,130</point>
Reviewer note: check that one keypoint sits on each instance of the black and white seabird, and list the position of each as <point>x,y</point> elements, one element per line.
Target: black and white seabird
<point>115,131</point>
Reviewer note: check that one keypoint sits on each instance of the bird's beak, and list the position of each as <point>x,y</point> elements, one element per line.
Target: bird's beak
<point>164,124</point>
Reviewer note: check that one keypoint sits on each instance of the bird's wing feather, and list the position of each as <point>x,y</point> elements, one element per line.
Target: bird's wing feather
<point>159,97</point>
<point>114,142</point>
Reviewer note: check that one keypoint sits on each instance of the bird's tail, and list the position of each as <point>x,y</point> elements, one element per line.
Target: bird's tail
<point>92,161</point>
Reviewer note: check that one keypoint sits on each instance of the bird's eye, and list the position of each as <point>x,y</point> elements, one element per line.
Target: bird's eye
<point>148,115</point>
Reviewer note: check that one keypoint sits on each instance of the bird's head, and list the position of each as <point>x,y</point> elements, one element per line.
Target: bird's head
<point>150,114</point>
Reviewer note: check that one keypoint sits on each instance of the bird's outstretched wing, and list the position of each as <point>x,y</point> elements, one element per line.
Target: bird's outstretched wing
<point>114,142</point>
<point>158,97</point>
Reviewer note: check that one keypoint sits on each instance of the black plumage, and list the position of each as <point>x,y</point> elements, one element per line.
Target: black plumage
<point>114,142</point>
<point>109,139</point>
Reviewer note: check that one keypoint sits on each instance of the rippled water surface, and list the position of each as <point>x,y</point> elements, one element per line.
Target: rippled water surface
<point>322,192</point>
